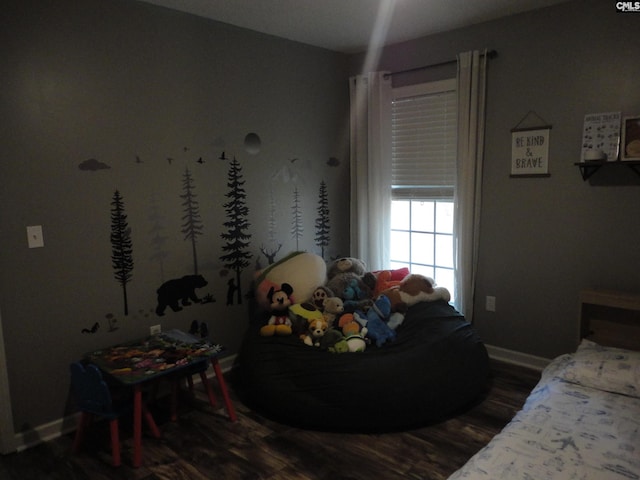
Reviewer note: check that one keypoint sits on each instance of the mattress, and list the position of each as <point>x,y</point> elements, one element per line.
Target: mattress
<point>581,422</point>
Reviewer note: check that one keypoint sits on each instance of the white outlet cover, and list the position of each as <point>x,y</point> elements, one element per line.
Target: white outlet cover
<point>34,236</point>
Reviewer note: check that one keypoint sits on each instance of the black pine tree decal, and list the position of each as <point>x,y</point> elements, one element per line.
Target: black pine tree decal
<point>192,226</point>
<point>296,226</point>
<point>322,220</point>
<point>236,246</point>
<point>121,247</point>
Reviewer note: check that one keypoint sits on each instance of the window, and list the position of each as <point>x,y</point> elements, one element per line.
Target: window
<point>424,138</point>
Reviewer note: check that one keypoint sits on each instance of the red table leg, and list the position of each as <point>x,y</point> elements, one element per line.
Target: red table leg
<point>209,389</point>
<point>137,426</point>
<point>223,388</point>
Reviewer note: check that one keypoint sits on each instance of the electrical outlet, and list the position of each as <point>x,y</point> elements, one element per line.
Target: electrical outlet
<point>490,304</point>
<point>153,329</point>
<point>34,236</point>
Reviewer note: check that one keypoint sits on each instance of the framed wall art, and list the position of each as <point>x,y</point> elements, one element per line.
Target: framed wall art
<point>530,152</point>
<point>601,133</point>
<point>530,147</point>
<point>630,138</point>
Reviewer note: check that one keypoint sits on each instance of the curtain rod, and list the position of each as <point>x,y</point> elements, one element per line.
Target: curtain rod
<point>490,54</point>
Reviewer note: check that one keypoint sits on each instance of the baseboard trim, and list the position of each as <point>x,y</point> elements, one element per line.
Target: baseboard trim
<point>62,426</point>
<point>517,358</point>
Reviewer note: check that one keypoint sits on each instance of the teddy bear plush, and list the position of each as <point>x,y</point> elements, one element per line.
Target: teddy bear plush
<point>349,272</point>
<point>279,302</point>
<point>332,308</point>
<point>316,331</point>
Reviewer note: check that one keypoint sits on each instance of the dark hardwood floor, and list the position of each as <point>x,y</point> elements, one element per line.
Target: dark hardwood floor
<point>203,444</point>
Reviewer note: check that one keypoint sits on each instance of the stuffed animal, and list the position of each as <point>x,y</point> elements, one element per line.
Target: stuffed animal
<point>348,325</point>
<point>303,271</point>
<point>332,307</point>
<point>413,289</point>
<point>318,296</point>
<point>340,347</point>
<point>279,302</point>
<point>330,338</point>
<point>349,272</point>
<point>316,331</point>
<point>375,321</point>
<point>301,315</point>
<point>389,278</point>
<point>356,343</point>
<point>344,265</point>
<point>354,297</point>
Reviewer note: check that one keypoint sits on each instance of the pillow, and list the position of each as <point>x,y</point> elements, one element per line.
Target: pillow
<point>605,368</point>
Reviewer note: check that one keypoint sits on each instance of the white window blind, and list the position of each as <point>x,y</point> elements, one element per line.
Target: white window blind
<point>423,143</point>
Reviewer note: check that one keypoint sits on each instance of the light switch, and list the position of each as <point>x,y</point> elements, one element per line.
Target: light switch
<point>34,236</point>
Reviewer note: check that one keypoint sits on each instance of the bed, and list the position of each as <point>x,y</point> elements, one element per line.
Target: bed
<point>436,366</point>
<point>581,421</point>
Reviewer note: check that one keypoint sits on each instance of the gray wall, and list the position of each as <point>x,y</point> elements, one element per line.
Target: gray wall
<point>112,80</point>
<point>544,239</point>
<point>116,80</point>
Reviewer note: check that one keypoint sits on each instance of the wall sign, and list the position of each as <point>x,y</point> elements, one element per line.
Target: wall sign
<point>530,150</point>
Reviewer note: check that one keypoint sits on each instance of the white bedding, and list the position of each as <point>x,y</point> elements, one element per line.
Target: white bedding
<point>574,425</point>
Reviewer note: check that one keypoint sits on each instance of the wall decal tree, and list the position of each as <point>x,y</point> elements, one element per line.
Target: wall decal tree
<point>236,237</point>
<point>192,226</point>
<point>121,246</point>
<point>297,228</point>
<point>158,240</point>
<point>273,247</point>
<point>322,220</point>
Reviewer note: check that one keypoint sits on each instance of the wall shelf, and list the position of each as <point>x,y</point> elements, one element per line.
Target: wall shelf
<point>590,167</point>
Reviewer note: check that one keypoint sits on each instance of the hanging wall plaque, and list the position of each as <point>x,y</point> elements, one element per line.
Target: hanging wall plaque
<point>530,150</point>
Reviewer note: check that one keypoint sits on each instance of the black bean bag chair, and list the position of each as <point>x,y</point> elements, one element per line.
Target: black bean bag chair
<point>436,366</point>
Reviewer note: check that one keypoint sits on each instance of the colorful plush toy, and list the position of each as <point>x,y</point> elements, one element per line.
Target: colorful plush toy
<point>389,278</point>
<point>375,321</point>
<point>316,331</point>
<point>413,289</point>
<point>303,271</point>
<point>354,297</point>
<point>340,347</point>
<point>279,302</point>
<point>332,308</point>
<point>301,315</point>
<point>318,296</point>
<point>349,272</point>
<point>356,343</point>
<point>348,325</point>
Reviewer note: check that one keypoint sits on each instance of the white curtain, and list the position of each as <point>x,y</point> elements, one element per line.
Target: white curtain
<point>472,67</point>
<point>370,168</point>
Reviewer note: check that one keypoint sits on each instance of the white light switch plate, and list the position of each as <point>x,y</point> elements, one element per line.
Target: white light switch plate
<point>34,236</point>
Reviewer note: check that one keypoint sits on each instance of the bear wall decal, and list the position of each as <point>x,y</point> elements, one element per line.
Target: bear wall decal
<point>179,290</point>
